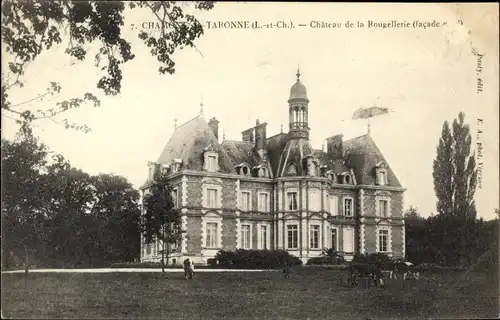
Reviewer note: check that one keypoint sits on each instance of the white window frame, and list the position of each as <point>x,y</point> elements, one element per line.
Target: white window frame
<point>175,197</point>
<point>389,238</point>
<point>296,232</point>
<point>243,225</point>
<point>212,184</point>
<point>249,204</point>
<point>296,201</point>
<point>311,227</point>
<point>379,198</point>
<point>211,218</point>
<point>334,210</point>
<point>314,192</point>
<point>332,229</point>
<point>206,162</point>
<point>352,240</point>
<point>267,245</point>
<point>216,195</point>
<point>264,207</point>
<point>207,233</point>
<point>351,207</point>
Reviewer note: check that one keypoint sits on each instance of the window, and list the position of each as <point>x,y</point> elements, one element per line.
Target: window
<point>212,198</point>
<point>245,171</point>
<point>292,200</point>
<point>314,236</point>
<point>334,205</point>
<point>262,172</point>
<point>334,239</point>
<point>245,236</point>
<point>314,200</point>
<point>263,237</point>
<point>347,179</point>
<point>175,198</point>
<point>245,201</point>
<point>292,170</point>
<point>263,202</point>
<point>383,239</point>
<point>383,208</point>
<point>348,207</point>
<point>382,176</point>
<point>148,249</point>
<point>348,239</point>
<point>292,236</point>
<point>211,240</point>
<point>211,163</point>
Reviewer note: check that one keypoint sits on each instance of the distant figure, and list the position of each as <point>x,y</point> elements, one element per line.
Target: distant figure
<point>188,269</point>
<point>286,270</point>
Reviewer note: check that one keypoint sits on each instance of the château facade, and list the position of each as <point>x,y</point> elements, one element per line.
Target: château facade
<point>278,192</point>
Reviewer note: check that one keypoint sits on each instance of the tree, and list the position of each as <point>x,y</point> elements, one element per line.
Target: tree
<point>30,28</point>
<point>454,171</point>
<point>60,216</point>
<point>117,215</point>
<point>23,161</point>
<point>161,221</point>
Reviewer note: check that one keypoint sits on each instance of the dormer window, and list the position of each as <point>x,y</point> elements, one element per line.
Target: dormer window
<point>381,174</point>
<point>331,176</point>
<point>292,170</point>
<point>211,163</point>
<point>165,169</point>
<point>176,165</point>
<point>245,170</point>
<point>211,159</point>
<point>261,171</point>
<point>382,178</point>
<point>347,179</point>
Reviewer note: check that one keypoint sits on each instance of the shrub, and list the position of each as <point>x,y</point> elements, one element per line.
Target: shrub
<point>255,259</point>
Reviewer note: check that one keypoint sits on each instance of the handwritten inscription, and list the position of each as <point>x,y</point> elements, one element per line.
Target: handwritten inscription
<point>479,155</point>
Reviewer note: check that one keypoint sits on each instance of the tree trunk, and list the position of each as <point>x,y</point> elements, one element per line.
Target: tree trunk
<point>168,252</point>
<point>163,258</point>
<point>26,259</point>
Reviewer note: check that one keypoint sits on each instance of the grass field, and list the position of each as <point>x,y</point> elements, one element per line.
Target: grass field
<point>312,293</point>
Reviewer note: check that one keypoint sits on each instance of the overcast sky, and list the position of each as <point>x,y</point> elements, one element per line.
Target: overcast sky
<point>426,76</point>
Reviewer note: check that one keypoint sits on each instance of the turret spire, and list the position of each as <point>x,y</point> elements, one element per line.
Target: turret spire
<point>298,73</point>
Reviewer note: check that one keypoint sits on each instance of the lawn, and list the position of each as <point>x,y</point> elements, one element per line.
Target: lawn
<point>313,293</point>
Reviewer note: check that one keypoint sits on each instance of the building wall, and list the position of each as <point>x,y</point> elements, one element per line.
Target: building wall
<point>364,220</point>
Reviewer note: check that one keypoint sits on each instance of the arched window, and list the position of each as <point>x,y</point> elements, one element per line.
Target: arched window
<point>347,179</point>
<point>263,172</point>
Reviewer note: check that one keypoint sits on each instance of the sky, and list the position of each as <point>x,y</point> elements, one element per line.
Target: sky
<point>425,76</point>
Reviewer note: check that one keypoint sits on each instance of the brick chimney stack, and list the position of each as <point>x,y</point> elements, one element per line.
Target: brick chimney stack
<point>334,146</point>
<point>214,125</point>
<point>260,137</point>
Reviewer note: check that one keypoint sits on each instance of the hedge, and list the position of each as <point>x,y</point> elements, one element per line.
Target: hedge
<point>255,259</point>
<point>325,261</point>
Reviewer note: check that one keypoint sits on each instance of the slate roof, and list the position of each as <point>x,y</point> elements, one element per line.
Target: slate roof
<point>362,154</point>
<point>241,151</point>
<point>275,145</point>
<point>333,164</point>
<point>187,143</point>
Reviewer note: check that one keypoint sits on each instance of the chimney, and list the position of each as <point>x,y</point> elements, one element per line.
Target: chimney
<point>247,135</point>
<point>260,137</point>
<point>334,146</point>
<point>214,125</point>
